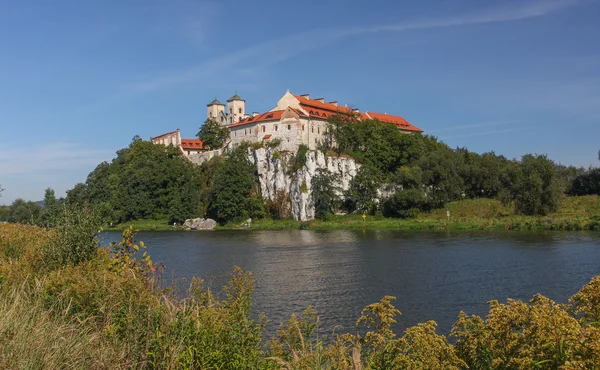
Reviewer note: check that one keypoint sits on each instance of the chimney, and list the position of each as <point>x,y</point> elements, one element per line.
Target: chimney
<point>320,100</point>
<point>333,102</point>
<point>254,114</point>
<point>305,96</point>
<point>356,110</point>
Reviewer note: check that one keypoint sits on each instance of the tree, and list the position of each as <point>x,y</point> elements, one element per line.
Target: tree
<point>51,208</point>
<point>24,212</point>
<point>363,190</point>
<point>213,134</point>
<point>230,193</point>
<point>325,193</point>
<point>442,174</point>
<point>536,189</point>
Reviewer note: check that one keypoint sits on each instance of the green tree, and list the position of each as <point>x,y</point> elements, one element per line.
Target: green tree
<point>363,190</point>
<point>442,175</point>
<point>4,213</point>
<point>230,192</point>
<point>213,134</point>
<point>325,193</point>
<point>536,189</point>
<point>51,208</point>
<point>24,212</point>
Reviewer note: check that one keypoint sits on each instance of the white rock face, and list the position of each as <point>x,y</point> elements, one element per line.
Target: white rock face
<point>273,176</point>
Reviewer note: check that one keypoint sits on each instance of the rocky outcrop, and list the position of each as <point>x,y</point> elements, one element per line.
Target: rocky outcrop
<point>274,176</point>
<point>199,224</point>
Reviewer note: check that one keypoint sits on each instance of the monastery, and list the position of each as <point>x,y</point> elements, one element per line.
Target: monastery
<point>296,120</point>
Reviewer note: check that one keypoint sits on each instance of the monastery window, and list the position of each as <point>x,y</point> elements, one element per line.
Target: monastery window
<point>312,129</point>
<point>230,110</point>
<point>302,127</point>
<point>240,110</point>
<point>275,126</point>
<point>289,127</point>
<point>263,128</point>
<point>315,140</point>
<point>288,140</point>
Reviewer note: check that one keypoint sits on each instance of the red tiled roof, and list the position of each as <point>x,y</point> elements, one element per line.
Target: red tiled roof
<point>324,110</point>
<point>192,144</point>
<point>268,136</point>
<point>316,109</point>
<point>400,122</point>
<point>265,117</point>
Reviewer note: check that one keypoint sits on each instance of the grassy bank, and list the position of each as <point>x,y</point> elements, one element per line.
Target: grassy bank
<point>61,308</point>
<point>575,213</point>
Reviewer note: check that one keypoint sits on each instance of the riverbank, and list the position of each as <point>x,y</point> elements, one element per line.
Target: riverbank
<point>575,213</point>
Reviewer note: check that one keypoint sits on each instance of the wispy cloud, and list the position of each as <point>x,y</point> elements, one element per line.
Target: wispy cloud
<point>464,127</point>
<point>51,157</point>
<point>489,132</point>
<point>281,49</point>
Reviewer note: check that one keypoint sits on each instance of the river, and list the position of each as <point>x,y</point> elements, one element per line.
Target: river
<point>433,275</point>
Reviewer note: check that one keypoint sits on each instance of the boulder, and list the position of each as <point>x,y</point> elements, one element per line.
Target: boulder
<point>199,224</point>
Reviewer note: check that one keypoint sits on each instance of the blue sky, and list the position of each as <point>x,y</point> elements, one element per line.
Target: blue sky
<point>80,78</point>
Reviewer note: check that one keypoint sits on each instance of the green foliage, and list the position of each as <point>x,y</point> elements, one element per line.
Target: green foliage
<point>229,197</point>
<point>536,189</point>
<point>76,237</point>
<point>363,190</point>
<point>586,183</point>
<point>51,210</point>
<point>144,181</point>
<point>297,161</point>
<point>325,195</point>
<point>213,134</point>
<point>404,203</point>
<point>442,171</point>
<point>380,145</point>
<point>24,212</point>
<point>4,213</point>
<point>272,144</point>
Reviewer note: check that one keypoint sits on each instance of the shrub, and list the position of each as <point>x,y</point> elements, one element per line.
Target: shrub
<point>76,237</point>
<point>404,204</point>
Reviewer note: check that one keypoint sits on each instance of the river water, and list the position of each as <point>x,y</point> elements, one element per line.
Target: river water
<point>433,275</point>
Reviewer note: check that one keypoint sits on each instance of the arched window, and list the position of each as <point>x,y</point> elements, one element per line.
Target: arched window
<point>263,128</point>
<point>240,110</point>
<point>289,127</point>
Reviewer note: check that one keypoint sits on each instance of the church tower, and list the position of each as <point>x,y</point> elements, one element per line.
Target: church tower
<point>236,109</point>
<point>216,110</point>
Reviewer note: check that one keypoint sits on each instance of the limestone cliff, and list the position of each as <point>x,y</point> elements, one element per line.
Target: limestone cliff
<point>274,176</point>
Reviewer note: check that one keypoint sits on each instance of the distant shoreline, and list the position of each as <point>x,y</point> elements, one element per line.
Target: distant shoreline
<point>576,213</point>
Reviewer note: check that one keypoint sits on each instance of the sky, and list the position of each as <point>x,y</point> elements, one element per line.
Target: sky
<point>79,79</point>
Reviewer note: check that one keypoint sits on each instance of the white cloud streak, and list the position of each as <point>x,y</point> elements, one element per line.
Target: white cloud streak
<point>278,50</point>
<point>464,127</point>
<point>489,132</point>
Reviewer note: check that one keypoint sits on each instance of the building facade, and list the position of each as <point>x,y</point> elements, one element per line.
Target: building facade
<point>296,120</point>
<point>186,146</point>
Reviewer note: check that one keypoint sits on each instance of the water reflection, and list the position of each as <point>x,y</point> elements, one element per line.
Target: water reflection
<point>433,275</point>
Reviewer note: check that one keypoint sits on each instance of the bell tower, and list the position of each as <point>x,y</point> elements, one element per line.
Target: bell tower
<point>236,109</point>
<point>215,110</point>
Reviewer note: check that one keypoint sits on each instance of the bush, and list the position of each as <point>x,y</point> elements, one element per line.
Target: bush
<point>404,204</point>
<point>75,239</point>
